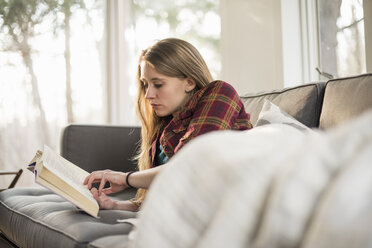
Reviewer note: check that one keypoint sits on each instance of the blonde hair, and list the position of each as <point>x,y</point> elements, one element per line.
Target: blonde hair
<point>174,58</point>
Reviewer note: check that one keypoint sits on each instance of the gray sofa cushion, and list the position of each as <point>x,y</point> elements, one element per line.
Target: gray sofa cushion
<point>303,102</point>
<point>101,147</point>
<point>35,217</point>
<point>345,98</point>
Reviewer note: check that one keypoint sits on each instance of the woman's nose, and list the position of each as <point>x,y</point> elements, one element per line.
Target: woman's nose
<point>149,93</point>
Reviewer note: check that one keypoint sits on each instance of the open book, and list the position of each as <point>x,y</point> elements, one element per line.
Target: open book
<point>64,178</point>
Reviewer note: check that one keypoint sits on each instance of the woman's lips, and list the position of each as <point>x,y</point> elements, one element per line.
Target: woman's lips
<point>155,105</point>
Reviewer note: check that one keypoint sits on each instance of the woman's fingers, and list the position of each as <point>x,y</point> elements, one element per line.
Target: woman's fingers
<point>94,177</point>
<point>90,181</point>
<point>86,180</point>
<point>116,180</point>
<point>90,184</point>
<point>107,191</point>
<point>102,184</point>
<point>94,192</point>
<point>103,200</point>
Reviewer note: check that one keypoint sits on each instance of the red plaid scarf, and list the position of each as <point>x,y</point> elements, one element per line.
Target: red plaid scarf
<point>214,107</point>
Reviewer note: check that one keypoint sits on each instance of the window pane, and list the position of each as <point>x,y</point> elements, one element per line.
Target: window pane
<point>50,74</point>
<point>195,21</point>
<point>342,43</point>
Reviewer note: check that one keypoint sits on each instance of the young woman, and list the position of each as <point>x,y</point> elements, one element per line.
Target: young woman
<point>177,101</point>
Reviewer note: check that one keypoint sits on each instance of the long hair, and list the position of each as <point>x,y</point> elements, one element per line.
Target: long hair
<point>174,58</point>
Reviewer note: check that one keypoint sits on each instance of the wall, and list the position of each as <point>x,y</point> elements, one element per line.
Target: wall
<point>367,5</point>
<point>292,43</point>
<point>120,102</point>
<point>251,44</point>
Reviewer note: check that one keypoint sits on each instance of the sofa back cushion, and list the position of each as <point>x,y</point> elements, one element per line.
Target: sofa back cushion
<point>101,147</point>
<point>345,98</point>
<point>302,102</point>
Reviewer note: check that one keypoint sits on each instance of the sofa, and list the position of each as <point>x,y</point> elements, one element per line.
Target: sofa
<point>35,217</point>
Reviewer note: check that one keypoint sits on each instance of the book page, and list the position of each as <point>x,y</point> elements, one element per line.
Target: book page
<point>66,170</point>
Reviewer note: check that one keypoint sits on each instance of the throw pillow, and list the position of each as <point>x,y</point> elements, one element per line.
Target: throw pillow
<point>271,113</point>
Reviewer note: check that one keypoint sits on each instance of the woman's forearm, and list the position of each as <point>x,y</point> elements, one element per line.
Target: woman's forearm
<point>125,205</point>
<point>139,179</point>
<point>143,179</point>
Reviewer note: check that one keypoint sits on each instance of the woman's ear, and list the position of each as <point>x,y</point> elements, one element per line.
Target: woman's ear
<point>190,84</point>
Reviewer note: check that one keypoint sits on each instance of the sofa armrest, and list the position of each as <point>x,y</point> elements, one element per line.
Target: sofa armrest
<point>101,147</point>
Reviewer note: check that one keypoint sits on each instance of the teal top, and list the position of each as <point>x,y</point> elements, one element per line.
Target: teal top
<point>160,156</point>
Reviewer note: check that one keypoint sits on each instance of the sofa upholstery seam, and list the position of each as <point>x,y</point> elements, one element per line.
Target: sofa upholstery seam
<point>255,95</point>
<point>350,77</point>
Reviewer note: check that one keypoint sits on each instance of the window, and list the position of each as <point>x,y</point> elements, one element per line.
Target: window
<point>50,74</point>
<point>341,37</point>
<point>134,25</point>
<point>195,21</point>
<point>74,62</point>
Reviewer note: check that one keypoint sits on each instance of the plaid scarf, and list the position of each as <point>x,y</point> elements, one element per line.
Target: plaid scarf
<point>217,106</point>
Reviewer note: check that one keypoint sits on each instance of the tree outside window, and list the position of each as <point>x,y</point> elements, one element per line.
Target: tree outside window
<point>50,74</point>
<point>342,43</point>
<point>195,21</point>
<point>53,64</point>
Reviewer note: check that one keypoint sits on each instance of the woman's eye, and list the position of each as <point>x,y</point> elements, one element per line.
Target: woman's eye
<point>158,86</point>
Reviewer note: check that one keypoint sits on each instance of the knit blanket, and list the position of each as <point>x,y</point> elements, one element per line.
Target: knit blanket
<point>272,186</point>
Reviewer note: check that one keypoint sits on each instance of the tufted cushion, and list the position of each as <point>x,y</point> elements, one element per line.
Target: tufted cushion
<point>36,217</point>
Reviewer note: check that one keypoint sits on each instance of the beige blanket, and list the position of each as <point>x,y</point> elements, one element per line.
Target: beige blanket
<point>272,186</point>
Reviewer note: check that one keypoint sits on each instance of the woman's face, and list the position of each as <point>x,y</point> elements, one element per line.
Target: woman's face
<point>165,94</point>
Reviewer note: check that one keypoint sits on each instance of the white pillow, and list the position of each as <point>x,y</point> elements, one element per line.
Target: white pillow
<point>271,113</point>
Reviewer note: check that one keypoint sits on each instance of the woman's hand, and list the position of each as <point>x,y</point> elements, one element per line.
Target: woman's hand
<point>115,178</point>
<point>106,202</point>
<point>103,200</point>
